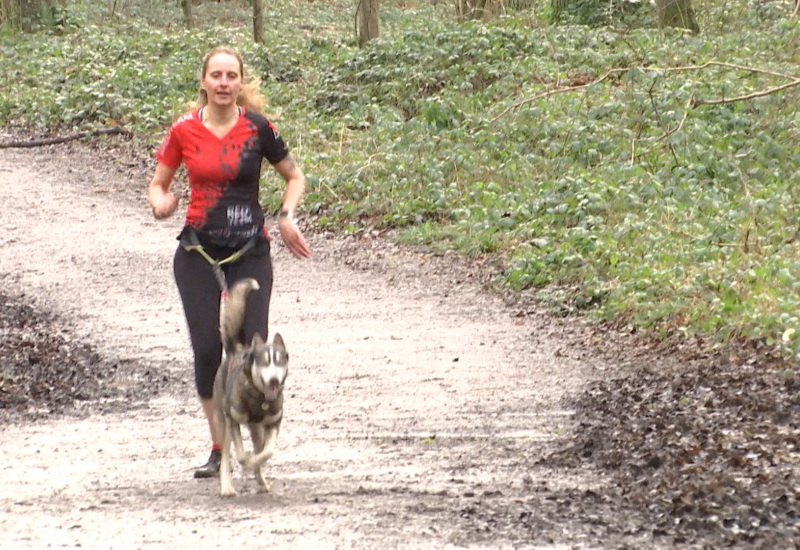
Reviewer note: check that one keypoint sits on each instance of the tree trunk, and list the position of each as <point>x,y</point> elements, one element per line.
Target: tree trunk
<point>477,9</point>
<point>6,17</point>
<point>367,21</point>
<point>186,5</point>
<point>28,14</point>
<point>461,7</point>
<point>677,13</point>
<point>258,21</point>
<point>558,7</point>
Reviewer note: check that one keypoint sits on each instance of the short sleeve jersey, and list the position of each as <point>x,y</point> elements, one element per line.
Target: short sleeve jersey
<point>223,174</point>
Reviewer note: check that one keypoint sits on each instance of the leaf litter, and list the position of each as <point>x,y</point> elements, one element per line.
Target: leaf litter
<point>708,452</point>
<point>45,370</point>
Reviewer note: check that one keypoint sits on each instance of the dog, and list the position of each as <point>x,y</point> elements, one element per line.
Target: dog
<point>248,389</point>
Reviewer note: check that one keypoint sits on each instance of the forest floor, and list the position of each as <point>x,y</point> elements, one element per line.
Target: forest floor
<point>423,410</point>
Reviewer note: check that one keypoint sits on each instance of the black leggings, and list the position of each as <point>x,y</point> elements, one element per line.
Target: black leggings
<point>200,294</point>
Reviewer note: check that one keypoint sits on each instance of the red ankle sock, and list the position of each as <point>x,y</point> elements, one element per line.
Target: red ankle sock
<point>216,447</point>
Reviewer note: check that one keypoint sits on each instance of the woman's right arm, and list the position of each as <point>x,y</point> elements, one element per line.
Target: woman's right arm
<point>161,200</point>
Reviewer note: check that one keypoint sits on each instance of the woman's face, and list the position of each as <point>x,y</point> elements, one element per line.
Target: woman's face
<point>223,80</point>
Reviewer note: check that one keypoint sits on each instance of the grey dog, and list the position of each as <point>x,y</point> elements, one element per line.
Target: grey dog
<point>248,389</point>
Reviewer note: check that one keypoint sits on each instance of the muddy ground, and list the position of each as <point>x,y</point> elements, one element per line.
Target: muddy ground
<point>423,411</point>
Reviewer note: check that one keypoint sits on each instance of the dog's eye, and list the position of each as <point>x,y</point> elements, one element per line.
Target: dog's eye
<point>280,357</point>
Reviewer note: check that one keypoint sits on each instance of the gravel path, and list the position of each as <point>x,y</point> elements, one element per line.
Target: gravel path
<point>417,408</point>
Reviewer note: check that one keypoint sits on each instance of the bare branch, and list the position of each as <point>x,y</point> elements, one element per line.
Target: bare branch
<point>689,103</point>
<point>754,95</point>
<point>64,139</point>
<point>668,131</point>
<point>708,64</point>
<point>555,91</point>
<point>695,238</point>
<point>694,103</point>
<point>794,81</point>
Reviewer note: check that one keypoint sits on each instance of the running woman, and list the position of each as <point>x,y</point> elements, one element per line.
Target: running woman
<point>222,142</point>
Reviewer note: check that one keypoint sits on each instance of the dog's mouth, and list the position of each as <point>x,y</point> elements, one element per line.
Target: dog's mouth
<point>273,388</point>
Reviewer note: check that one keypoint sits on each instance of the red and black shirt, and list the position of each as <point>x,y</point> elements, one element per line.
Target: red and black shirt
<point>223,174</point>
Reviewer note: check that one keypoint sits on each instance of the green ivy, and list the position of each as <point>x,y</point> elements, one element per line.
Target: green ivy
<point>618,200</point>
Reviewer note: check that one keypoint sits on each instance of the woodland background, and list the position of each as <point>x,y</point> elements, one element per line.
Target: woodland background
<point>631,163</point>
<point>595,152</point>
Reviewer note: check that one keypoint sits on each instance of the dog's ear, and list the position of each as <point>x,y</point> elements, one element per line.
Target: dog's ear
<point>257,340</point>
<point>245,358</point>
<point>281,355</point>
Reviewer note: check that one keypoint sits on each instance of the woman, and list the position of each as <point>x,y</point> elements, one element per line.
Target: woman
<point>223,142</point>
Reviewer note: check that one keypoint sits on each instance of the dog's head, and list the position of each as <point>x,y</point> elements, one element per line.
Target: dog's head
<point>270,366</point>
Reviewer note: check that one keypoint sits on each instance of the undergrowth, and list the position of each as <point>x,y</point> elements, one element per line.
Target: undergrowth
<point>628,199</point>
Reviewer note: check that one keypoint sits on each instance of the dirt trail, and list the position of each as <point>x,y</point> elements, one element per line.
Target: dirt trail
<point>417,404</point>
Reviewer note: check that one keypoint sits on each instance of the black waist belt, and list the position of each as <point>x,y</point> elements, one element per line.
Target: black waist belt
<point>191,243</point>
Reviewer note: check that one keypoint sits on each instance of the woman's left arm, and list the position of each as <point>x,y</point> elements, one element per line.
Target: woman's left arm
<point>295,186</point>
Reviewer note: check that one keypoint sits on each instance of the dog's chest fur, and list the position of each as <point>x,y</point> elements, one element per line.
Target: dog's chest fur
<point>245,403</point>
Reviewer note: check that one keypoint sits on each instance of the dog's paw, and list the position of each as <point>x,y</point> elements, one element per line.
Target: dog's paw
<point>246,459</point>
<point>227,492</point>
<point>266,486</point>
<point>254,464</point>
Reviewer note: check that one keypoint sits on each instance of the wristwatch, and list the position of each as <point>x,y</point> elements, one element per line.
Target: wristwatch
<point>284,213</point>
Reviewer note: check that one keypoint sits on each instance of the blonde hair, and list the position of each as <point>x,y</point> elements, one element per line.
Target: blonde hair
<point>250,97</point>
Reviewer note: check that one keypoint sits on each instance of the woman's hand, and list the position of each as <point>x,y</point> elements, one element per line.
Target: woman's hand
<point>293,238</point>
<point>295,185</point>
<point>165,205</point>
<point>161,200</point>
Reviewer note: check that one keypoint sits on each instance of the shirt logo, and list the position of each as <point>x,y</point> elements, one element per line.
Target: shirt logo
<point>239,214</point>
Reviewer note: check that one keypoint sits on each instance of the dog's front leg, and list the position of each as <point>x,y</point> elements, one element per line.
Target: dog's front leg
<point>225,485</point>
<point>256,461</point>
<point>257,432</point>
<point>238,444</point>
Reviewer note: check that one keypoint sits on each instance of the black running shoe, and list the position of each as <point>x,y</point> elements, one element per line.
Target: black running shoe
<point>210,468</point>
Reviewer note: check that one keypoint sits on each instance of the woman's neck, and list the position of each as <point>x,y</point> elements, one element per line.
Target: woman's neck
<point>220,116</point>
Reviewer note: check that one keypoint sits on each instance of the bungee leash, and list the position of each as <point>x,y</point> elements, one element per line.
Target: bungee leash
<point>191,243</point>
